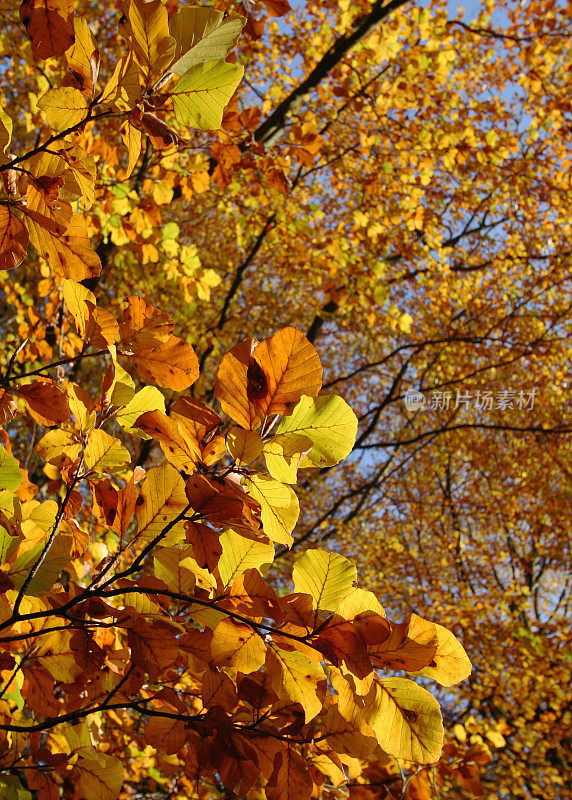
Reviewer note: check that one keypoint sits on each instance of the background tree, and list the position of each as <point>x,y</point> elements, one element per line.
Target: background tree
<point>393,180</point>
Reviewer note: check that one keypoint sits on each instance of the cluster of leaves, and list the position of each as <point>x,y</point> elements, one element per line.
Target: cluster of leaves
<point>134,612</point>
<point>164,614</point>
<point>172,69</point>
<point>395,181</point>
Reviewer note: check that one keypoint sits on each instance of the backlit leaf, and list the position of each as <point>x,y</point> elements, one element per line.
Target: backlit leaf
<point>10,475</point>
<point>202,34</point>
<point>14,239</point>
<point>328,577</point>
<point>105,453</point>
<point>407,721</point>
<point>49,24</point>
<point>63,108</point>
<point>331,425</point>
<point>201,94</point>
<point>240,554</point>
<point>279,507</point>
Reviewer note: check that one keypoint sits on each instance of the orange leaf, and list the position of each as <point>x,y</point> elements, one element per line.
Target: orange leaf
<point>49,25</point>
<point>255,381</point>
<point>410,646</point>
<point>165,734</point>
<point>13,239</point>
<point>176,440</point>
<point>174,365</point>
<point>46,403</point>
<point>290,779</point>
<point>144,326</point>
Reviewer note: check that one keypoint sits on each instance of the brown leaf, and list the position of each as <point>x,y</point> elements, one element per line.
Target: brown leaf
<point>206,544</point>
<point>14,239</point>
<point>153,646</point>
<point>49,25</point>
<point>290,779</point>
<point>46,402</point>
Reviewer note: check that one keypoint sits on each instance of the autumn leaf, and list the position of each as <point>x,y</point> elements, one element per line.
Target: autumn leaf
<point>330,424</point>
<point>46,402</point>
<point>173,365</point>
<point>450,664</point>
<point>202,34</point>
<point>240,554</point>
<point>64,108</point>
<point>70,255</point>
<point>164,734</point>
<point>294,677</point>
<point>146,400</point>
<point>83,58</point>
<point>291,367</point>
<point>279,507</point>
<point>327,577</point>
<point>49,24</point>
<point>99,775</point>
<point>290,779</point>
<point>237,645</point>
<point>148,30</point>
<point>105,453</point>
<point>14,239</point>
<point>162,499</point>
<point>407,721</point>
<point>200,95</point>
<point>10,475</point>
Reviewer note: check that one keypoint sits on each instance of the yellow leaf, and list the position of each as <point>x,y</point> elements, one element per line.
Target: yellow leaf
<point>283,454</point>
<point>63,108</point>
<point>237,645</point>
<point>170,568</point>
<point>450,663</point>
<point>99,775</point>
<point>58,557</point>
<point>76,296</point>
<point>132,140</point>
<point>105,453</point>
<point>70,254</point>
<point>279,507</point>
<point>406,720</point>
<point>201,94</point>
<point>294,677</point>
<point>163,499</point>
<point>123,89</point>
<point>148,26</point>
<point>57,443</point>
<point>358,601</point>
<point>240,554</point>
<point>147,399</point>
<point>330,424</point>
<point>202,34</point>
<point>83,57</point>
<point>244,446</point>
<point>328,577</point>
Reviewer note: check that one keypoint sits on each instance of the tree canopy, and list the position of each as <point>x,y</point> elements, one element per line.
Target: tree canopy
<point>285,309</point>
